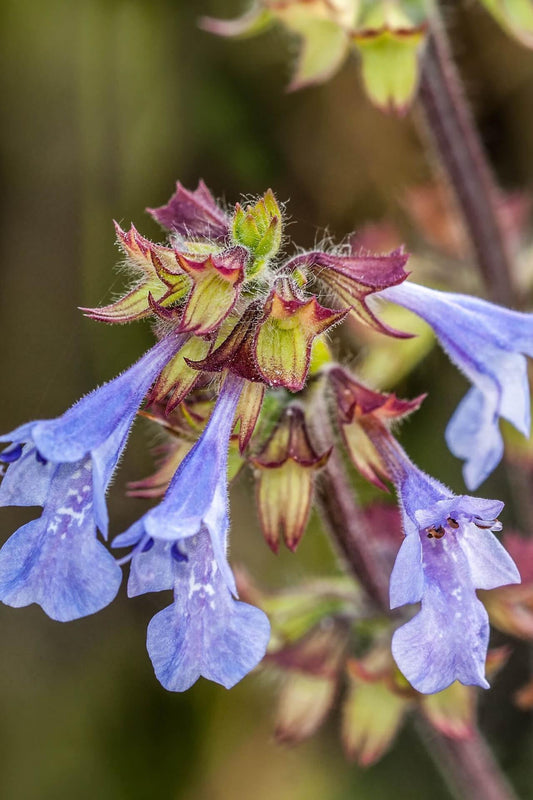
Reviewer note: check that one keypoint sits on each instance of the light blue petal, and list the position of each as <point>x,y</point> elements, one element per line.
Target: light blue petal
<point>476,507</point>
<point>473,435</point>
<point>513,330</point>
<point>407,578</point>
<point>447,640</point>
<point>132,536</point>
<point>486,342</point>
<point>195,486</point>
<point>514,404</point>
<point>151,571</point>
<point>197,496</point>
<point>489,562</point>
<point>26,481</point>
<point>217,523</point>
<point>20,434</point>
<point>205,632</point>
<point>56,561</point>
<point>222,647</point>
<point>434,649</point>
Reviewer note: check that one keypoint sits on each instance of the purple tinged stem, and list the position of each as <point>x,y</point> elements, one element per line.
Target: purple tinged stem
<point>463,158</point>
<point>343,516</point>
<point>467,765</point>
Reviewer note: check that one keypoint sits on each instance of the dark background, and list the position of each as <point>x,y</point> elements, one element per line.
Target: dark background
<point>105,104</point>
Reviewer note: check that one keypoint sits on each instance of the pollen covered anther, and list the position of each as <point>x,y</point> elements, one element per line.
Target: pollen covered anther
<point>435,532</point>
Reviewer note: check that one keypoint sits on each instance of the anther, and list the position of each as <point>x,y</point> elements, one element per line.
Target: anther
<point>11,454</point>
<point>487,524</point>
<point>452,523</point>
<point>176,553</point>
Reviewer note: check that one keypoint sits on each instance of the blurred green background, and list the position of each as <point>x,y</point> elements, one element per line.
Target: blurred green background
<point>105,104</point>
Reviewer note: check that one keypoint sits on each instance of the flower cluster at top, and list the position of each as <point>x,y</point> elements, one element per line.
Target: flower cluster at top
<point>387,35</point>
<point>240,373</point>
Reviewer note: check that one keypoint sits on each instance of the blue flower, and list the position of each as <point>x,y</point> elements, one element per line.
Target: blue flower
<point>197,496</point>
<point>448,552</point>
<point>65,465</point>
<point>205,631</point>
<point>487,343</point>
<point>181,545</point>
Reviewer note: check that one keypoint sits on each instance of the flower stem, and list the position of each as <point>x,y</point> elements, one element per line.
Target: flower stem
<point>348,528</point>
<point>467,765</point>
<point>463,158</point>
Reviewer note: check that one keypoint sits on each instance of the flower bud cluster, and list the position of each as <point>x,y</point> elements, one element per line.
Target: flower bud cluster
<point>241,371</point>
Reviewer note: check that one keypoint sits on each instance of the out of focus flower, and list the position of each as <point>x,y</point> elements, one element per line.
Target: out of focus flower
<point>387,34</point>
<point>318,631</point>
<point>515,16</point>
<point>511,607</point>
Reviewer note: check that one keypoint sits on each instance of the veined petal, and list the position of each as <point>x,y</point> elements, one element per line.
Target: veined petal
<point>56,561</point>
<point>448,552</point>
<point>407,577</point>
<point>489,562</point>
<point>151,570</point>
<point>26,481</point>
<point>205,632</point>
<point>486,342</point>
<point>447,640</point>
<point>195,486</point>
<point>473,435</point>
<point>433,649</point>
<point>196,499</point>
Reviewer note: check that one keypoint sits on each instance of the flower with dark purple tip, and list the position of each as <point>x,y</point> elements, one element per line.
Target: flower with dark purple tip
<point>487,343</point>
<point>65,465</point>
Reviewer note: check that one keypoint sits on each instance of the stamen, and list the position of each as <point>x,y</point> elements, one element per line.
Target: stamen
<point>11,454</point>
<point>487,524</point>
<point>41,459</point>
<point>144,544</point>
<point>452,523</point>
<point>435,533</point>
<point>177,554</point>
